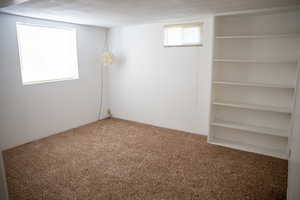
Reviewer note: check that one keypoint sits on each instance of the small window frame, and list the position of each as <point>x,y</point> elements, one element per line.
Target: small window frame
<point>187,25</point>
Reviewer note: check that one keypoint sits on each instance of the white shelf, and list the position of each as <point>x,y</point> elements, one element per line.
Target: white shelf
<point>267,36</point>
<point>251,128</point>
<point>253,106</point>
<point>256,61</point>
<point>254,84</point>
<point>249,148</point>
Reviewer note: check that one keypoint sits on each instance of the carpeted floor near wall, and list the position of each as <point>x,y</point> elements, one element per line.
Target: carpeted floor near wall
<point>120,160</point>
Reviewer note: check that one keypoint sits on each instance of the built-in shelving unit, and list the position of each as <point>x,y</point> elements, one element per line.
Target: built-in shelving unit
<point>255,71</point>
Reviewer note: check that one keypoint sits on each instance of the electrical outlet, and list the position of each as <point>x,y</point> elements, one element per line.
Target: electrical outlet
<point>109,113</point>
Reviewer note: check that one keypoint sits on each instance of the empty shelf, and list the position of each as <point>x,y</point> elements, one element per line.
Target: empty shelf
<point>256,61</point>
<point>290,35</point>
<point>253,106</point>
<point>250,148</point>
<point>254,84</point>
<point>251,128</point>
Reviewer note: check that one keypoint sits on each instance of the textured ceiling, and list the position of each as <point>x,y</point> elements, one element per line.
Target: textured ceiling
<point>123,12</point>
<point>4,3</point>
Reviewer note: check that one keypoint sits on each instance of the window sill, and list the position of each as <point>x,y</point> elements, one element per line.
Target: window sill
<point>48,81</point>
<point>187,45</point>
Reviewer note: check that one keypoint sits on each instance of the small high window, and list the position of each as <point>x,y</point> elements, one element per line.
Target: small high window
<point>183,35</point>
<point>47,54</point>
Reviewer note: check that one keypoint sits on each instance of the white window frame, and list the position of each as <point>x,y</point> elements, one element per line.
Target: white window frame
<point>20,54</point>
<point>197,24</point>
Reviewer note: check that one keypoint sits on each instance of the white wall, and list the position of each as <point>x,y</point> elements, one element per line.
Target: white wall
<point>294,162</point>
<point>167,87</point>
<point>35,111</point>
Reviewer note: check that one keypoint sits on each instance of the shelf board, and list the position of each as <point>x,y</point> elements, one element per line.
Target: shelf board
<point>253,106</point>
<point>254,84</point>
<point>265,36</point>
<point>251,128</point>
<point>256,61</point>
<point>249,148</point>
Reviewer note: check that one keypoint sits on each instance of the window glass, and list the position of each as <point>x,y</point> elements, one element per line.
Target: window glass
<point>47,54</point>
<point>183,35</point>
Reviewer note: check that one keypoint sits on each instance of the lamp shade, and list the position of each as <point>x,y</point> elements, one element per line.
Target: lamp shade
<point>107,58</point>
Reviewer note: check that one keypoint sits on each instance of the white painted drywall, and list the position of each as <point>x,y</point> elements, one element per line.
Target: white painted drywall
<point>36,111</point>
<point>294,162</point>
<point>167,87</point>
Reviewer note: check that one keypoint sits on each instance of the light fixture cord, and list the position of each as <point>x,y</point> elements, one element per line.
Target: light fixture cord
<point>105,48</point>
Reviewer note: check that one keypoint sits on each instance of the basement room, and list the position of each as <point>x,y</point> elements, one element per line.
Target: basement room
<point>149,100</point>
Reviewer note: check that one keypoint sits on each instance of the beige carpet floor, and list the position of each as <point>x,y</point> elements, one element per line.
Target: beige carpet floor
<point>120,160</point>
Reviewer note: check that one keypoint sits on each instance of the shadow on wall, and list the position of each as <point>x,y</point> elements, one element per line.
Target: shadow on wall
<point>119,60</point>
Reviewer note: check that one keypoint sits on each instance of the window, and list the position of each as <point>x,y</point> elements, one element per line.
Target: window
<point>47,54</point>
<point>183,35</point>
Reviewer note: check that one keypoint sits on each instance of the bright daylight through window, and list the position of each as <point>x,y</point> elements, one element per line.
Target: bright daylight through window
<point>47,54</point>
<point>183,35</point>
